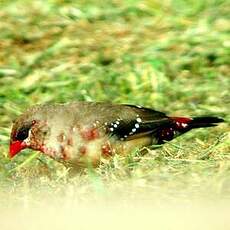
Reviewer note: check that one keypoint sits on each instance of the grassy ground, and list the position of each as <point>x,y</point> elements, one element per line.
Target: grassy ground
<point>170,55</point>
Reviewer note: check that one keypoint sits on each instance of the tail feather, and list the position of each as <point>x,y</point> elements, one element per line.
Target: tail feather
<point>181,125</point>
<point>199,122</point>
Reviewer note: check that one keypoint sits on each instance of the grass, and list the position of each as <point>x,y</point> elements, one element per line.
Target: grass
<point>169,55</point>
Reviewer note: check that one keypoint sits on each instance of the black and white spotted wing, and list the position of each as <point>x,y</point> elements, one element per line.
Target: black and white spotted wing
<point>145,122</point>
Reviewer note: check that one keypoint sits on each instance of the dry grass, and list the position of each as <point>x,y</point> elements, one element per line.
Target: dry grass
<point>170,55</point>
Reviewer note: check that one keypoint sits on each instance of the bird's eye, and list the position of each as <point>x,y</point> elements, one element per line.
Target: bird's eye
<point>22,133</point>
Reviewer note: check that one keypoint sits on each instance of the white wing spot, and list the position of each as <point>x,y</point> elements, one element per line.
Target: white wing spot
<point>115,125</point>
<point>111,129</point>
<point>139,120</point>
<point>137,125</point>
<point>134,130</point>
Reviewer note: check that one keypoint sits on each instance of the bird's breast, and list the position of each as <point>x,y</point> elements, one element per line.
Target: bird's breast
<point>89,144</point>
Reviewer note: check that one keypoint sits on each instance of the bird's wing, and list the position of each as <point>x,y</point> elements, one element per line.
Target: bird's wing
<point>142,122</point>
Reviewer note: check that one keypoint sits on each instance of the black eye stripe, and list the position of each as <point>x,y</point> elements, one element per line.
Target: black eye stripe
<point>22,133</point>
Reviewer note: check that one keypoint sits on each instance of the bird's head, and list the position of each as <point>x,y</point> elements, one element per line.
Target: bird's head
<point>28,131</point>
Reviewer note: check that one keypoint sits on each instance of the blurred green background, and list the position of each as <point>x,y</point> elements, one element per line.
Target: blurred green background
<point>169,55</point>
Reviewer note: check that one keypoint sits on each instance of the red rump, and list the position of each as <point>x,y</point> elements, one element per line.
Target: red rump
<point>182,119</point>
<point>181,122</point>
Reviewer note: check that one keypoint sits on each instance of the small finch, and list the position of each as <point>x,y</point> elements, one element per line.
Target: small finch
<point>83,132</point>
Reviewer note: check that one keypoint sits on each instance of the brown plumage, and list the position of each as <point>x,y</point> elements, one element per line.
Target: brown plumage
<point>85,132</point>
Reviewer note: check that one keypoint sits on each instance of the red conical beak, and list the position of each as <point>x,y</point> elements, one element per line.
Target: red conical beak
<point>16,147</point>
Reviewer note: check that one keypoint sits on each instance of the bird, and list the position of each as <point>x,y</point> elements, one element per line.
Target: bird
<point>83,133</point>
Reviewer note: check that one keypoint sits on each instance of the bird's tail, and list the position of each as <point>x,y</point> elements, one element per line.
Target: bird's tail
<point>180,125</point>
<point>197,122</point>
